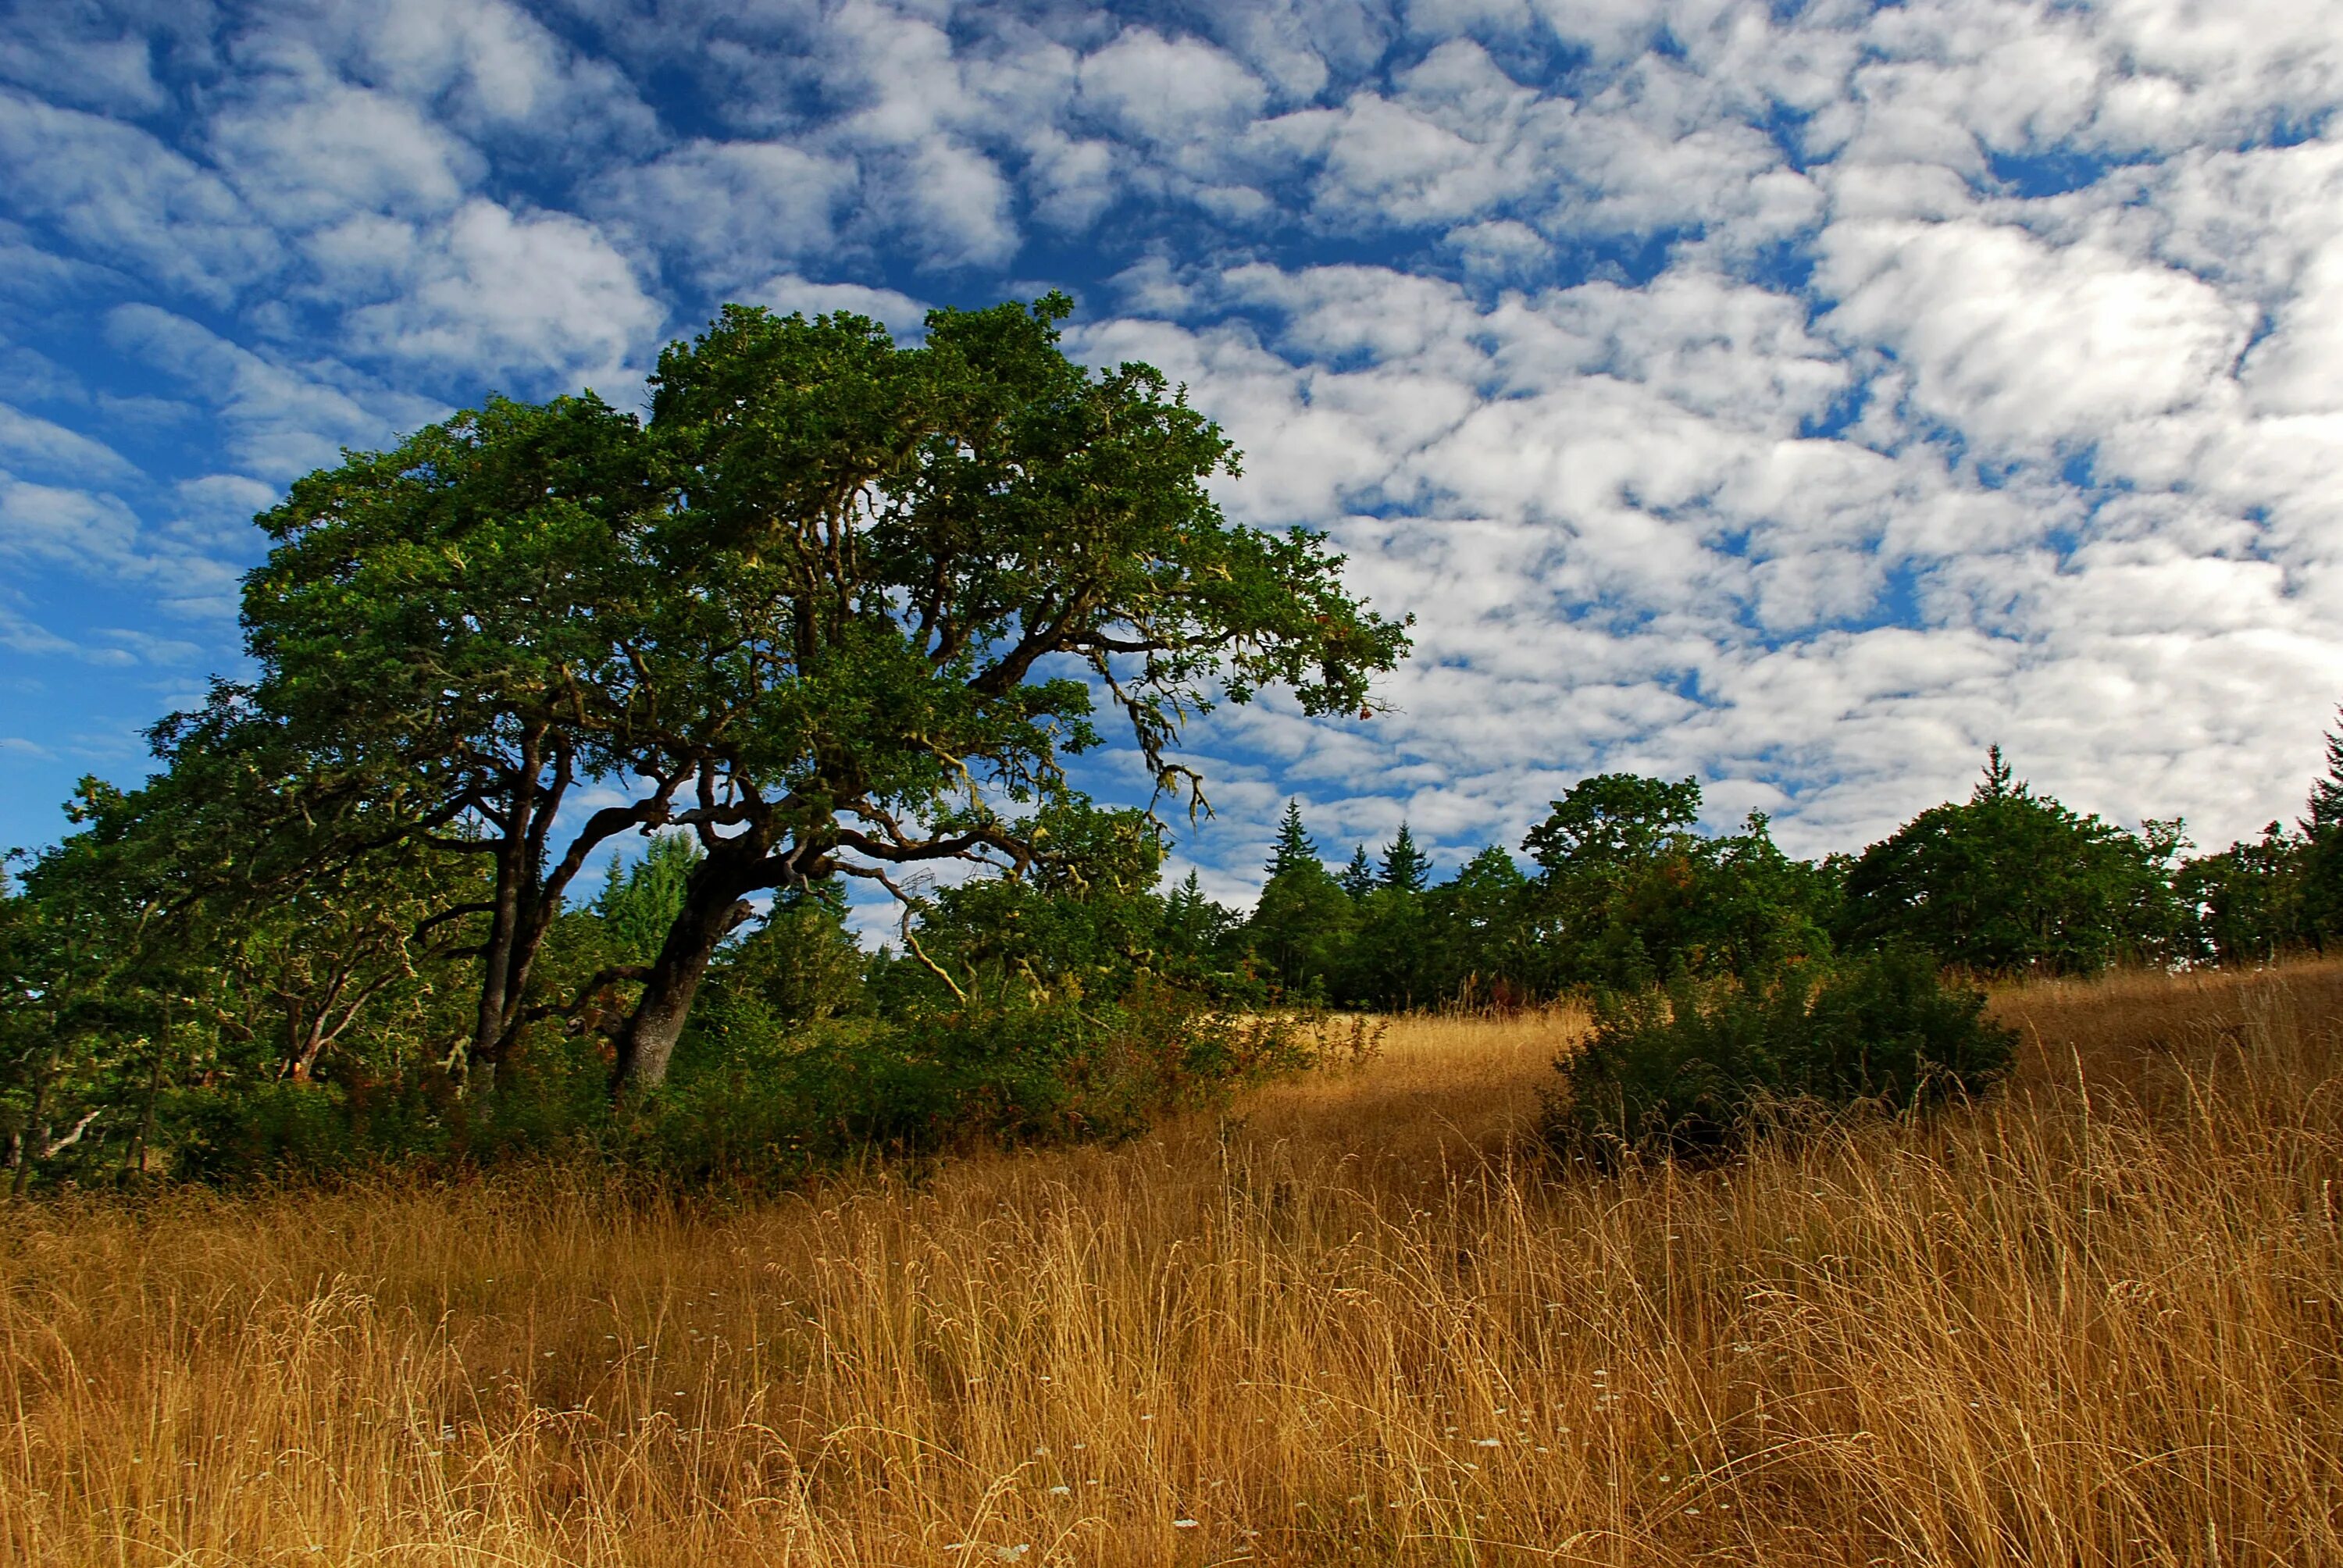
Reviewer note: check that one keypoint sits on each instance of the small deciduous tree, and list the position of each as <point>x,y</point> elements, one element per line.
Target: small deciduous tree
<point>1630,894</point>
<point>2244,904</point>
<point>2010,880</point>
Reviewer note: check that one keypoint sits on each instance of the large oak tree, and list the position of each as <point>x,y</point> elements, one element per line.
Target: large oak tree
<point>839,607</point>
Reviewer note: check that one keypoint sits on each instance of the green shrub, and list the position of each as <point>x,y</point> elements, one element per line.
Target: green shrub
<point>1696,1068</point>
<point>750,1094</point>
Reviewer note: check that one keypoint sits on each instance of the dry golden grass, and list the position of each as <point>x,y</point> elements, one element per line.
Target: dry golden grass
<point>2093,1321</point>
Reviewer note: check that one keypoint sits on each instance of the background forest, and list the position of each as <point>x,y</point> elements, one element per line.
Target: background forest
<point>841,608</point>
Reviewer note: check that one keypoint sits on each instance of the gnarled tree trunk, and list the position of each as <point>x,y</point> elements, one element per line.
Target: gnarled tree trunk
<point>712,907</point>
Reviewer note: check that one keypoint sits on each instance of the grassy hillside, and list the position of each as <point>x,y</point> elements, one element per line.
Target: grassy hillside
<point>2094,1320</point>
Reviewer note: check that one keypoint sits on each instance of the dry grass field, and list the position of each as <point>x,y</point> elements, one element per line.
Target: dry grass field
<point>2093,1321</point>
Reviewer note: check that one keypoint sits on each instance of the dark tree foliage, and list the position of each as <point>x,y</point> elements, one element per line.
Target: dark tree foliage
<point>1301,928</point>
<point>1613,821</point>
<point>2010,881</point>
<point>1697,1068</point>
<point>1631,895</point>
<point>1482,935</point>
<point>842,610</point>
<point>1389,962</point>
<point>1293,847</point>
<point>838,609</point>
<point>2319,882</point>
<point>1406,870</point>
<point>2245,904</point>
<point>639,904</point>
<point>450,633</point>
<point>2324,812</point>
<point>1198,934</point>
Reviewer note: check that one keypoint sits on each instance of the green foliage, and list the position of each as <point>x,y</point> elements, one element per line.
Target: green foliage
<point>1696,1066</point>
<point>1481,937</point>
<point>837,586</point>
<point>449,637</point>
<point>1197,935</point>
<point>1406,870</point>
<point>2010,881</point>
<point>1016,1068</point>
<point>1389,960</point>
<point>1629,895</point>
<point>842,607</point>
<point>1074,1002</point>
<point>2245,903</point>
<point>2317,885</point>
<point>1301,930</point>
<point>1613,821</point>
<point>639,903</point>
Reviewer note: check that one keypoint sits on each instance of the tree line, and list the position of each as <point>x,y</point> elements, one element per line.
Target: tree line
<point>1621,891</point>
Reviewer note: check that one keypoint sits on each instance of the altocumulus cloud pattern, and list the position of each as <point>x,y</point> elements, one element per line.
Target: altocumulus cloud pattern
<point>1802,395</point>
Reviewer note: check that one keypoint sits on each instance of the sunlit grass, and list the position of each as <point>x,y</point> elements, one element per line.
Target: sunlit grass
<point>2092,1321</point>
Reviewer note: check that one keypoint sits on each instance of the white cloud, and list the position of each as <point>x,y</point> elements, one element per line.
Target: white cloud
<point>541,294</point>
<point>73,55</point>
<point>37,444</point>
<point>276,419</point>
<point>900,312</point>
<point>128,199</point>
<point>62,526</point>
<point>731,209</point>
<point>1706,382</point>
<point>954,205</point>
<point>1168,90</point>
<point>486,64</point>
<point>2022,346</point>
<point>308,152</point>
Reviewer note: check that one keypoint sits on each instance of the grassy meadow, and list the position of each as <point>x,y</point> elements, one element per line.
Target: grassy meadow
<point>2094,1320</point>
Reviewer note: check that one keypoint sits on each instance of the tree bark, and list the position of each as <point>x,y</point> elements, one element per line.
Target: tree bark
<point>712,906</point>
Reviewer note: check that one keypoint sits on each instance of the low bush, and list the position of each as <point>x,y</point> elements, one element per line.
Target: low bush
<point>759,1096</point>
<point>1696,1066</point>
<point>753,1097</point>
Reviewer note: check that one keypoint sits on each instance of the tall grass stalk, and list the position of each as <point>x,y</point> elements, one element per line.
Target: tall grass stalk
<point>2094,1320</point>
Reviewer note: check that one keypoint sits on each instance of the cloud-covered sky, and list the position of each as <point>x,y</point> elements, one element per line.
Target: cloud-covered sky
<point>1801,396</point>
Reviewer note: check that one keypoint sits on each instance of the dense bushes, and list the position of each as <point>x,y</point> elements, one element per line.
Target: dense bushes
<point>1072,1004</point>
<point>1695,1067</point>
<point>1049,1069</point>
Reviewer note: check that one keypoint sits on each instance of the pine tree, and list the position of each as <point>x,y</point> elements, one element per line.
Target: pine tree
<point>1406,869</point>
<point>2322,851</point>
<point>2326,794</point>
<point>1995,785</point>
<point>639,904</point>
<point>1358,877</point>
<point>1294,848</point>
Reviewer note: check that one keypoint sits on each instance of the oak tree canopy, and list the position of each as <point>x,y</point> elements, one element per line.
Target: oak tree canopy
<point>837,607</point>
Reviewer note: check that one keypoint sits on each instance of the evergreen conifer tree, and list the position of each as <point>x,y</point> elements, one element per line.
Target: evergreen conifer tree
<point>1301,926</point>
<point>2322,851</point>
<point>1358,877</point>
<point>1997,783</point>
<point>2326,794</point>
<point>1406,869</point>
<point>1294,847</point>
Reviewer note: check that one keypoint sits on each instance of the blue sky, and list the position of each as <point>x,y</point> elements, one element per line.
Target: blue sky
<point>1804,396</point>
